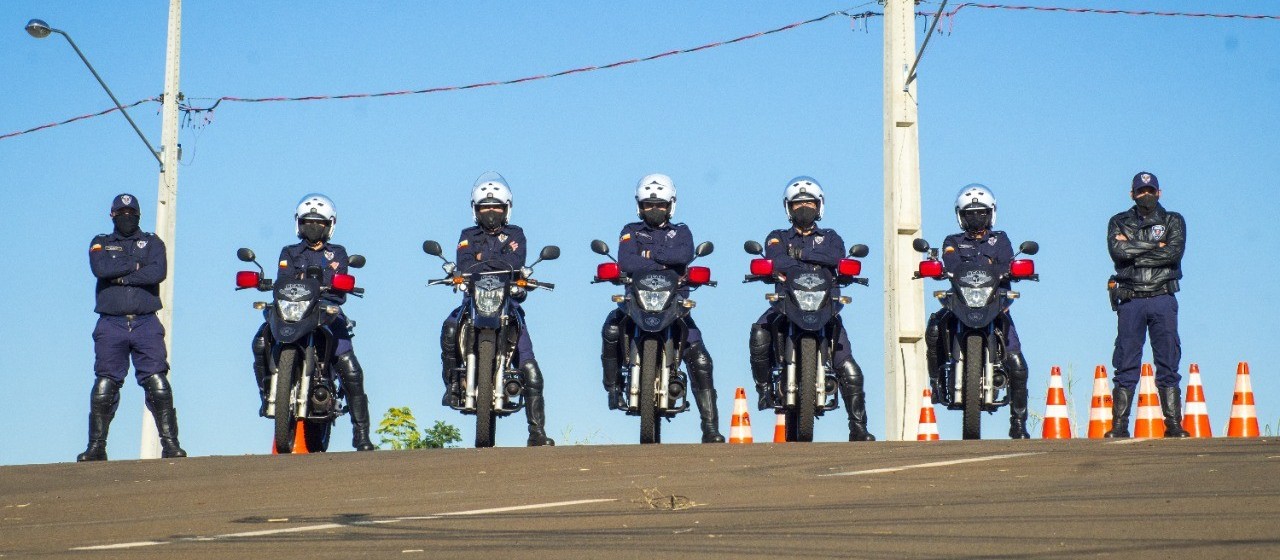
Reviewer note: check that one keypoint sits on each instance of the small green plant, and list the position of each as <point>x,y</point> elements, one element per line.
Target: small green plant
<point>399,429</point>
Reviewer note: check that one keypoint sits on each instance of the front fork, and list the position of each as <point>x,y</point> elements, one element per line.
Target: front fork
<point>994,378</point>
<point>791,385</point>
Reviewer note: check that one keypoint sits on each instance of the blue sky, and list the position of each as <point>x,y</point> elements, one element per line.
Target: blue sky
<point>1055,112</point>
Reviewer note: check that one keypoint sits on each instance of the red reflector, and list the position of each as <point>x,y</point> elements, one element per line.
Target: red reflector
<point>931,269</point>
<point>344,282</point>
<point>247,279</point>
<point>699,275</point>
<point>761,267</point>
<point>608,271</point>
<point>849,267</point>
<point>1022,268</point>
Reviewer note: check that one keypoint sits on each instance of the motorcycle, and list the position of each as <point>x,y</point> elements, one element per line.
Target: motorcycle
<point>653,337</point>
<point>302,386</point>
<point>488,330</point>
<point>972,348</point>
<point>804,384</point>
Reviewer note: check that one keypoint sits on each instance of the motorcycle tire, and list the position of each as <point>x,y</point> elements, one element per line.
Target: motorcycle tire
<point>974,362</point>
<point>486,346</point>
<point>286,423</point>
<point>648,392</point>
<point>808,403</point>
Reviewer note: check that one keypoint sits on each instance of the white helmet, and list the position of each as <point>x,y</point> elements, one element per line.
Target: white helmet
<point>803,188</point>
<point>656,187</point>
<point>491,188</point>
<point>975,196</point>
<point>316,205</point>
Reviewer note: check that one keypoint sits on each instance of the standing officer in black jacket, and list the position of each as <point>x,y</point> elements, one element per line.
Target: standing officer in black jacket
<point>129,265</point>
<point>1146,244</point>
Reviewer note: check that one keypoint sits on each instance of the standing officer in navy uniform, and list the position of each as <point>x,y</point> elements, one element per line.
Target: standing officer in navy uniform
<point>805,247</point>
<point>976,215</point>
<point>129,264</point>
<point>493,244</point>
<point>314,221</point>
<point>1146,243</point>
<point>655,243</point>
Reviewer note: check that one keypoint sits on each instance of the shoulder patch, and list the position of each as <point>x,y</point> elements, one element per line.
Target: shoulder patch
<point>463,243</point>
<point>284,264</point>
<point>774,241</point>
<point>95,247</point>
<point>625,237</point>
<point>949,250</point>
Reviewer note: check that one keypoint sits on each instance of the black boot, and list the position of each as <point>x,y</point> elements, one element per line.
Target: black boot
<point>761,365</point>
<point>348,369</point>
<point>933,355</point>
<point>103,400</point>
<point>159,398</point>
<point>1017,366</point>
<point>1121,398</point>
<point>1171,405</point>
<point>700,368</point>
<point>855,400</point>
<point>534,408</point>
<point>610,336</point>
<point>261,371</point>
<point>449,363</point>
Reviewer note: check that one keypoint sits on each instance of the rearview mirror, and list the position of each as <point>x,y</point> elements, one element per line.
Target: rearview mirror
<point>355,261</point>
<point>432,248</point>
<point>920,245</point>
<point>245,254</point>
<point>549,253</point>
<point>858,251</point>
<point>753,248</point>
<point>1029,248</point>
<point>705,248</point>
<point>599,247</point>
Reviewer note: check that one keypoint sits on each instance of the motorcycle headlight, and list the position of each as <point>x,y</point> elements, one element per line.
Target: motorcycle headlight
<point>489,301</point>
<point>292,311</point>
<point>810,301</point>
<point>653,300</point>
<point>976,297</point>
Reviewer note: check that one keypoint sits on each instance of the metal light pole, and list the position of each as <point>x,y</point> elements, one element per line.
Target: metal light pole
<point>167,196</point>
<point>904,298</point>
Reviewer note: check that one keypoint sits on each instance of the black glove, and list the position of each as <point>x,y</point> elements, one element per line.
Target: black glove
<point>795,252</point>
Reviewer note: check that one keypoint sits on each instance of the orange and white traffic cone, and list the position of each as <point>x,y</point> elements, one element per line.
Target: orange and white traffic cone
<point>1100,406</point>
<point>1056,423</point>
<point>1195,413</point>
<point>780,429</point>
<point>1244,417</point>
<point>740,428</point>
<point>1150,422</point>
<point>299,441</point>
<point>928,430</point>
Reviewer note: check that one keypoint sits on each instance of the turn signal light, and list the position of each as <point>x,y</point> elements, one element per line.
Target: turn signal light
<point>344,282</point>
<point>849,267</point>
<point>762,267</point>
<point>608,271</point>
<point>1022,268</point>
<point>699,275</point>
<point>931,269</point>
<point>247,279</point>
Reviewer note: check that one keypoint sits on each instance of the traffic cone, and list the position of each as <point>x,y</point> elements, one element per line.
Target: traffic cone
<point>299,440</point>
<point>1056,423</point>
<point>928,430</point>
<point>1100,407</point>
<point>1244,417</point>
<point>740,428</point>
<point>780,429</point>
<point>1150,423</point>
<point>1195,413</point>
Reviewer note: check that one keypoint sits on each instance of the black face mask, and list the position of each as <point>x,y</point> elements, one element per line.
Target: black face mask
<point>804,218</point>
<point>313,232</point>
<point>491,221</point>
<point>1147,201</point>
<point>126,224</point>
<point>654,217</point>
<point>976,221</point>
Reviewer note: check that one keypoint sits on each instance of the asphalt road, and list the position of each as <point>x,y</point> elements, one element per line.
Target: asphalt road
<point>993,499</point>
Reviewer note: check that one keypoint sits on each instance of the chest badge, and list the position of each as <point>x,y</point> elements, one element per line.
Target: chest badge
<point>328,255</point>
<point>991,241</point>
<point>142,243</point>
<point>818,240</point>
<point>1157,232</point>
<point>502,237</point>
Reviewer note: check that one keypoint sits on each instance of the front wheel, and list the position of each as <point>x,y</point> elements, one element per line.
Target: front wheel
<point>649,430</point>
<point>974,364</point>
<point>808,403</point>
<point>286,423</point>
<point>487,349</point>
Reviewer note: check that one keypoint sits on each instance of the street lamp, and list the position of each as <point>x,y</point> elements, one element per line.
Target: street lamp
<point>39,29</point>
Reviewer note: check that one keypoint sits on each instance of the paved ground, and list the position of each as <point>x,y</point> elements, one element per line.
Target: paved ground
<point>992,499</point>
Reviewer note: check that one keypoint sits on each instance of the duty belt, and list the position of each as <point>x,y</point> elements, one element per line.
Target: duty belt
<point>1143,295</point>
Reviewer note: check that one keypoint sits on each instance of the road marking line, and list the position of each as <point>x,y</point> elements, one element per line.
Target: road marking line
<point>324,526</point>
<point>530,506</point>
<point>937,464</point>
<point>1129,440</point>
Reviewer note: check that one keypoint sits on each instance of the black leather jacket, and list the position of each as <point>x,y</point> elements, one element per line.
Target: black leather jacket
<point>1142,265</point>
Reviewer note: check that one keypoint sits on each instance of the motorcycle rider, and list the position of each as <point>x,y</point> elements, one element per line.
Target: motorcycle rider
<point>976,214</point>
<point>655,243</point>
<point>805,247</point>
<point>315,219</point>
<point>494,244</point>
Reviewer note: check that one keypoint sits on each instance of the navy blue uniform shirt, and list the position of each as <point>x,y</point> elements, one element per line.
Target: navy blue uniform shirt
<point>505,249</point>
<point>793,253</point>
<point>642,248</point>
<point>330,257</point>
<point>962,247</point>
<point>129,272</point>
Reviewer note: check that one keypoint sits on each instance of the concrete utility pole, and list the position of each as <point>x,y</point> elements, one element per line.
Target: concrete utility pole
<point>904,298</point>
<point>167,203</point>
